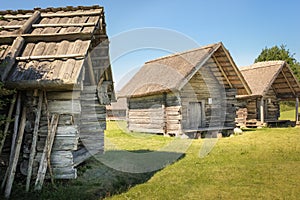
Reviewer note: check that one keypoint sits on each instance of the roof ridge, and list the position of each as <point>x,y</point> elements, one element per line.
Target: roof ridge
<point>262,64</point>
<point>49,9</point>
<point>183,52</point>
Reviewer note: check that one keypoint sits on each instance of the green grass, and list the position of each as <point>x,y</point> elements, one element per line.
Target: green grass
<point>287,112</point>
<point>289,115</point>
<point>261,164</point>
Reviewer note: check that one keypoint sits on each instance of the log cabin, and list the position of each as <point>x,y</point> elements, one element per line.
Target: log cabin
<point>57,61</point>
<point>270,83</point>
<point>185,93</point>
<point>117,110</point>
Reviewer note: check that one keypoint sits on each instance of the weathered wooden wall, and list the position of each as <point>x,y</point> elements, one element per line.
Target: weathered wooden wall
<point>155,114</point>
<point>169,112</point>
<point>146,114</point>
<point>204,85</point>
<point>249,108</point>
<point>272,106</point>
<point>67,105</point>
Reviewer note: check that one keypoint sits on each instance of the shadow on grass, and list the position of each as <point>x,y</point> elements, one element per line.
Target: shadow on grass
<point>97,180</point>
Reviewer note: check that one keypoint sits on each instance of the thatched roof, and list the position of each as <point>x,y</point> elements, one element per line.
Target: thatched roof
<point>120,104</point>
<point>277,75</point>
<point>47,47</point>
<point>172,72</point>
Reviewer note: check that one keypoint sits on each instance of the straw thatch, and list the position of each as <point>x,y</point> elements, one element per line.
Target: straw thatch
<point>46,48</point>
<point>276,75</point>
<point>172,72</point>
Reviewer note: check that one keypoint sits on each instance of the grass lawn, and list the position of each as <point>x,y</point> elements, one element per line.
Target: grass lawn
<point>287,112</point>
<point>260,164</point>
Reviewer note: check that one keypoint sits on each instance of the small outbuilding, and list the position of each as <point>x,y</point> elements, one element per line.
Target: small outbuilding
<point>270,83</point>
<point>117,110</point>
<point>57,61</point>
<point>188,92</point>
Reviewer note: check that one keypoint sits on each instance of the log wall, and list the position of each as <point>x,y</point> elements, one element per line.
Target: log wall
<point>155,114</point>
<point>248,109</point>
<point>169,113</point>
<point>217,101</point>
<point>272,106</point>
<point>67,105</point>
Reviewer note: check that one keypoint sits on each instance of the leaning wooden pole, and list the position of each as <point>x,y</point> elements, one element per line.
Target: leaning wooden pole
<point>297,110</point>
<point>14,136</point>
<point>8,120</point>
<point>34,140</point>
<point>47,149</point>
<point>12,168</point>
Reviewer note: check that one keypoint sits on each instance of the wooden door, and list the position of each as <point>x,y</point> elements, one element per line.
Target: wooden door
<point>194,115</point>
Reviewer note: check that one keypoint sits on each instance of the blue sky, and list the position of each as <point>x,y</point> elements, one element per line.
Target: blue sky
<point>244,26</point>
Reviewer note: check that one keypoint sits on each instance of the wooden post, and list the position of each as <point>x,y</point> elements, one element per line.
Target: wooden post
<point>262,117</point>
<point>164,105</point>
<point>46,152</point>
<point>297,111</point>
<point>10,59</point>
<point>12,168</point>
<point>90,69</point>
<point>34,140</point>
<point>11,109</point>
<point>14,137</point>
<point>28,24</point>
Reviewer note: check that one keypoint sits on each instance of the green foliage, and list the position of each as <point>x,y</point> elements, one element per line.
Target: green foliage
<point>280,53</point>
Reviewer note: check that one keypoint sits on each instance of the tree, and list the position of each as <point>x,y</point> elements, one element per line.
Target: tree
<point>280,53</point>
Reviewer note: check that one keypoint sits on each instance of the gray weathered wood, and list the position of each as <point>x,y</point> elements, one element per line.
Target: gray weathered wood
<point>46,153</point>
<point>90,70</point>
<point>13,53</point>
<point>28,24</point>
<point>34,140</point>
<point>297,110</point>
<point>9,115</point>
<point>49,57</point>
<point>65,107</point>
<point>13,166</point>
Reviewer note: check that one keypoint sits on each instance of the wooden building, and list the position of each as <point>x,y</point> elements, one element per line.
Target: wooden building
<point>270,83</point>
<point>187,92</point>
<point>117,110</point>
<point>57,60</point>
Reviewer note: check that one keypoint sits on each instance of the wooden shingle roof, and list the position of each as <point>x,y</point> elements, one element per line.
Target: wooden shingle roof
<point>47,47</point>
<point>172,72</point>
<point>277,75</point>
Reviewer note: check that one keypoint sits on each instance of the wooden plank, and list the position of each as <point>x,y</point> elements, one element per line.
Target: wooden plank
<point>49,57</point>
<point>13,166</point>
<point>8,120</point>
<point>46,153</point>
<point>10,60</point>
<point>65,107</point>
<point>222,71</point>
<point>288,82</point>
<point>14,137</point>
<point>34,140</point>
<point>237,71</point>
<point>297,110</point>
<point>28,24</point>
<point>55,37</point>
<point>52,15</point>
<point>90,70</point>
<point>75,95</point>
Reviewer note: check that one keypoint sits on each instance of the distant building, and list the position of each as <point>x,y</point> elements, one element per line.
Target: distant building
<point>270,83</point>
<point>183,93</point>
<point>117,110</point>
